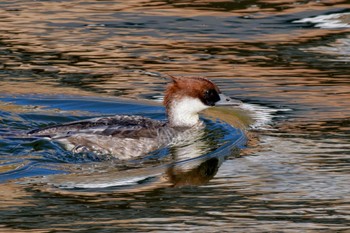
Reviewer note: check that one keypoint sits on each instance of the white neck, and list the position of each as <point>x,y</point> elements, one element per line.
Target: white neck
<point>184,112</point>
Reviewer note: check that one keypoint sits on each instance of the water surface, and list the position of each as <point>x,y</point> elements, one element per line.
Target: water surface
<point>287,60</point>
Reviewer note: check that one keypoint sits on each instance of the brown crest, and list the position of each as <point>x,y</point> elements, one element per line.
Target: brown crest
<point>187,86</point>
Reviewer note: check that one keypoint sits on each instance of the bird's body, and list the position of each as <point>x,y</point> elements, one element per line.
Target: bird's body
<point>126,137</point>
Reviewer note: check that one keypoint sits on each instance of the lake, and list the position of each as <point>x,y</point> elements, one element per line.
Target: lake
<point>284,168</point>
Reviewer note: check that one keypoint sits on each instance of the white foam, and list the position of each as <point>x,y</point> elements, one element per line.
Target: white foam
<point>338,50</point>
<point>128,181</point>
<point>262,115</point>
<point>96,25</point>
<point>332,21</point>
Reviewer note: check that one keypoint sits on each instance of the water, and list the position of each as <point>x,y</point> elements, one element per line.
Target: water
<point>288,61</point>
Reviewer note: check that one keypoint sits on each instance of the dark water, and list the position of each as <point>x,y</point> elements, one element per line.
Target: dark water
<point>287,60</point>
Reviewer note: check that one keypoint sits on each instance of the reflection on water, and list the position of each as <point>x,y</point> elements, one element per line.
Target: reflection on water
<point>341,20</point>
<point>287,60</point>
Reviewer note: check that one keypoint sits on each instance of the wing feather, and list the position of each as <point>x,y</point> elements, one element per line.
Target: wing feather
<point>115,126</point>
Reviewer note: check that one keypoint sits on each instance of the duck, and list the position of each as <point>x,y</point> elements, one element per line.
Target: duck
<point>132,136</point>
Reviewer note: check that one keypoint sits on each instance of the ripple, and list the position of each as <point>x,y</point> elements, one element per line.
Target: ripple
<point>292,74</point>
<point>331,21</point>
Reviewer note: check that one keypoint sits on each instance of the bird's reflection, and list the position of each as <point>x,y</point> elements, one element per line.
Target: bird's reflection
<point>199,175</point>
<point>189,164</point>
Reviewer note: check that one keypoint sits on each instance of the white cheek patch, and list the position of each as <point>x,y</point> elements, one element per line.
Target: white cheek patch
<point>184,112</point>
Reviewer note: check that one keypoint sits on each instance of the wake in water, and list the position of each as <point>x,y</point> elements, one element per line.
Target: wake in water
<point>262,116</point>
<point>183,163</point>
<point>193,163</point>
<point>331,21</point>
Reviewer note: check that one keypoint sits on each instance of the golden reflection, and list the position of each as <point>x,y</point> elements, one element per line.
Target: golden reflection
<point>98,48</point>
<point>29,88</point>
<point>106,58</point>
<point>12,194</point>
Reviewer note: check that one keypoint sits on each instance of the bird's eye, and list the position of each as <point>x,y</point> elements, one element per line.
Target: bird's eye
<point>210,97</point>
